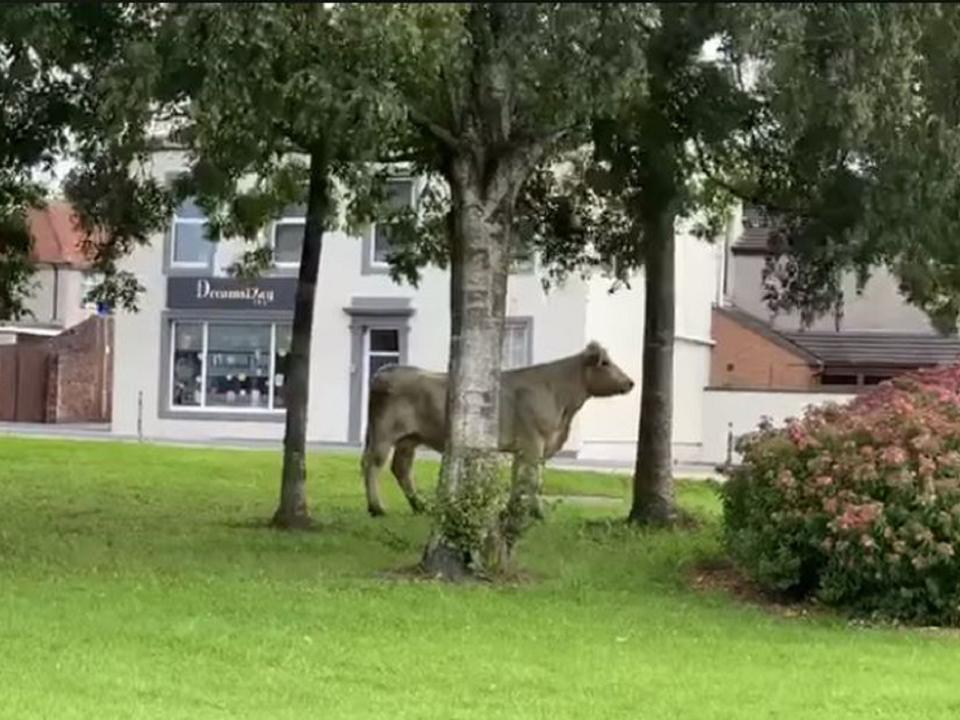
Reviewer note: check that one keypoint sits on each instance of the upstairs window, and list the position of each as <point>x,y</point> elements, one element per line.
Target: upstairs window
<point>89,281</point>
<point>521,259</point>
<point>399,196</point>
<point>517,341</point>
<point>287,237</point>
<point>190,246</point>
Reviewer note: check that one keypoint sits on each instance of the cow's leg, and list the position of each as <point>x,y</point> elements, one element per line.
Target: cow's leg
<point>402,468</point>
<point>526,480</point>
<point>375,454</point>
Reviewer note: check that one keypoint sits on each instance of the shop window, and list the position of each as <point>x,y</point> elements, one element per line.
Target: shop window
<point>229,366</point>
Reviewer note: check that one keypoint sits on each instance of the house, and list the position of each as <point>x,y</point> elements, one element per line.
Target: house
<point>62,276</point>
<point>769,365</point>
<point>55,365</point>
<point>204,357</point>
<point>879,335</point>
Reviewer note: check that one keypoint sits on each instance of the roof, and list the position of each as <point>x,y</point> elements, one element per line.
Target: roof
<point>753,240</point>
<point>56,239</point>
<point>44,330</point>
<point>878,349</point>
<point>757,231</point>
<point>765,330</point>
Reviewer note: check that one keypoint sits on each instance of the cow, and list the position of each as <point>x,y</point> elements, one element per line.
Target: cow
<point>407,408</point>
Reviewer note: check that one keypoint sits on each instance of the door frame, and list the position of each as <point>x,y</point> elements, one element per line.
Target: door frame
<point>367,313</point>
<point>365,364</point>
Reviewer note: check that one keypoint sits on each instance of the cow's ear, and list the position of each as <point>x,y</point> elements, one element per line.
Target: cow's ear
<point>592,354</point>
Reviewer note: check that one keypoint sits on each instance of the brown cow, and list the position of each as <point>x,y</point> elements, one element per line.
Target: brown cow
<point>407,408</point>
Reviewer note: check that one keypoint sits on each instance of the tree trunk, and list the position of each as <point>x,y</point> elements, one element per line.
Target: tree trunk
<point>653,496</point>
<point>292,511</point>
<point>467,539</point>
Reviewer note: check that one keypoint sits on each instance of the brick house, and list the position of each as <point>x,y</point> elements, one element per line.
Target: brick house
<point>56,365</point>
<point>879,336</point>
<point>62,276</point>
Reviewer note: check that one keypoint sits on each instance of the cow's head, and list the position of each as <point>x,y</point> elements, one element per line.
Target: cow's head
<point>603,377</point>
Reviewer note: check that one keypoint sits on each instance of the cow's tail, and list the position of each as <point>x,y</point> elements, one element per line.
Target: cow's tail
<point>379,390</point>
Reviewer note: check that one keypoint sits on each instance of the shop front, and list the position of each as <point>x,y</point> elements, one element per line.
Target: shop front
<point>224,348</point>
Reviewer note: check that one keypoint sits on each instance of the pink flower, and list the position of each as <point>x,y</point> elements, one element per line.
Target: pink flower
<point>859,517</point>
<point>893,455</point>
<point>785,479</point>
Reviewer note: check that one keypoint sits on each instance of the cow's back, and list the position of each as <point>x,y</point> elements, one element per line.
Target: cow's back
<point>408,401</point>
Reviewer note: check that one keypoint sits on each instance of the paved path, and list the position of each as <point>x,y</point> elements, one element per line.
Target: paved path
<point>101,432</point>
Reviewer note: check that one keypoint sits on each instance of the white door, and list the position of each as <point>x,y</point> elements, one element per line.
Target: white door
<point>381,346</point>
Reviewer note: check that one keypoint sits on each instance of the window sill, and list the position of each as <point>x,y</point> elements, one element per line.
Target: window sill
<point>226,415</point>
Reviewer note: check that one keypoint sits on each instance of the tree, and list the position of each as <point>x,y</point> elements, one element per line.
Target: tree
<point>50,56</point>
<point>640,178</point>
<point>863,176</point>
<point>491,89</point>
<point>808,110</point>
<point>290,95</point>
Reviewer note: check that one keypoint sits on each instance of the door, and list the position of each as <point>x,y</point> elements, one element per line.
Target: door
<point>32,384</point>
<point>8,383</point>
<point>381,346</point>
<point>23,383</point>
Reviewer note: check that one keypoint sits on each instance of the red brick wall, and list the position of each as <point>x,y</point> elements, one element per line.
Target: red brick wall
<point>81,373</point>
<point>743,357</point>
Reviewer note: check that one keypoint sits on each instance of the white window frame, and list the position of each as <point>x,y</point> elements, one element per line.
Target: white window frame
<point>88,281</point>
<point>527,326</point>
<point>203,407</point>
<point>524,269</point>
<point>174,263</point>
<point>365,366</point>
<point>300,220</point>
<point>397,179</point>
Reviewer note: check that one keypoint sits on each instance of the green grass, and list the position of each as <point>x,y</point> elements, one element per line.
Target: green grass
<point>136,583</point>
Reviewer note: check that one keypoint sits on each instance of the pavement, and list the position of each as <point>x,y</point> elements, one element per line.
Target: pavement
<point>101,432</point>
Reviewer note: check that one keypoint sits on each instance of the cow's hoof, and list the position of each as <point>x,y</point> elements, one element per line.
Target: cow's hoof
<point>376,511</point>
<point>418,506</point>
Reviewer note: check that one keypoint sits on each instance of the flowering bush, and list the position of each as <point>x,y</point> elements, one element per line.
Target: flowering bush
<point>859,504</point>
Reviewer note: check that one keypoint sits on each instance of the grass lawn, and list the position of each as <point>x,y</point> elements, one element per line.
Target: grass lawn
<point>135,583</point>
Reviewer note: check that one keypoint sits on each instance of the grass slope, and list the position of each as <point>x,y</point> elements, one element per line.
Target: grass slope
<point>136,583</point>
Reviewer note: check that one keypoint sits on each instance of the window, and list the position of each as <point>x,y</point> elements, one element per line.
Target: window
<point>838,379</point>
<point>190,246</point>
<point>288,237</point>
<point>89,281</point>
<point>399,196</point>
<point>227,365</point>
<point>515,352</point>
<point>384,344</point>
<point>521,260</point>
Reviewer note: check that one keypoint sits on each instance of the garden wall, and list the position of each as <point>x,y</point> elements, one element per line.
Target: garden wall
<point>727,410</point>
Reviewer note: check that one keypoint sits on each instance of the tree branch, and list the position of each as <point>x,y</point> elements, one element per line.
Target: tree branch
<point>737,191</point>
<point>439,132</point>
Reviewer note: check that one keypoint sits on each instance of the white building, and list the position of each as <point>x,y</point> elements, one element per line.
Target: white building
<point>204,360</point>
<point>61,279</point>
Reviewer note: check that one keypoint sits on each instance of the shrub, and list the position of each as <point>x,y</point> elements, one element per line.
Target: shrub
<point>857,505</point>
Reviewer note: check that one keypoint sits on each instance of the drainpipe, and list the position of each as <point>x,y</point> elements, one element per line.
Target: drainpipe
<point>56,292</point>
